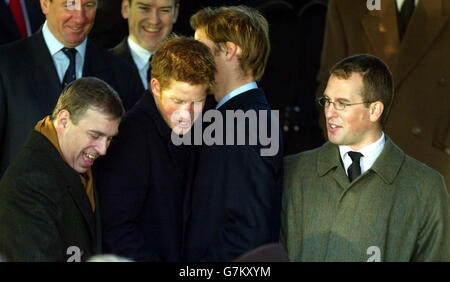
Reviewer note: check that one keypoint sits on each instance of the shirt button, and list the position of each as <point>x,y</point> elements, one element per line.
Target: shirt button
<point>416,130</point>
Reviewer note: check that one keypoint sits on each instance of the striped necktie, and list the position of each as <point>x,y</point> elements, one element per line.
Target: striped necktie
<point>69,76</point>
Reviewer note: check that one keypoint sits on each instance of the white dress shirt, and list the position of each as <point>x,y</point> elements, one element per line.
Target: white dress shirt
<point>60,59</point>
<point>400,4</point>
<point>141,56</point>
<point>237,91</point>
<point>370,154</point>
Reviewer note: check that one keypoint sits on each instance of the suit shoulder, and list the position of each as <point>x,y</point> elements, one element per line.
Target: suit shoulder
<point>15,48</point>
<point>424,174</point>
<point>108,57</point>
<point>34,164</point>
<point>301,160</point>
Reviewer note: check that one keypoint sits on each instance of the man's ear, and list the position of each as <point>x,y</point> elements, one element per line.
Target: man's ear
<point>155,86</point>
<point>175,13</point>
<point>44,6</point>
<point>375,111</point>
<point>232,50</point>
<point>62,121</point>
<point>125,8</point>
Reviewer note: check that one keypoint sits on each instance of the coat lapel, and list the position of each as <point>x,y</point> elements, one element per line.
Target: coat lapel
<point>41,62</point>
<point>92,63</point>
<point>97,243</point>
<point>80,198</point>
<point>388,164</point>
<point>329,159</point>
<point>377,25</point>
<point>424,27</point>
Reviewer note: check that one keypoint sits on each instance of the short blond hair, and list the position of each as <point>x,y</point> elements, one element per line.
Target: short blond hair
<point>241,25</point>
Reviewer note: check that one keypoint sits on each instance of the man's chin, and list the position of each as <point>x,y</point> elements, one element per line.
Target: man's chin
<point>181,130</point>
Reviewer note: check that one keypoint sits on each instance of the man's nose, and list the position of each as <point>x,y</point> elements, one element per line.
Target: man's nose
<point>79,15</point>
<point>154,16</point>
<point>102,146</point>
<point>330,110</point>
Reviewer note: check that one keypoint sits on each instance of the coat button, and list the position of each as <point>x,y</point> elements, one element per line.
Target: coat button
<point>416,130</point>
<point>441,82</point>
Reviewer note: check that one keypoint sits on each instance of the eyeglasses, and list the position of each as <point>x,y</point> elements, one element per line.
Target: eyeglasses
<point>338,105</point>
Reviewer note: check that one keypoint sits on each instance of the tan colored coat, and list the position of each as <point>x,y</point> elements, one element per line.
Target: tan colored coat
<point>419,120</point>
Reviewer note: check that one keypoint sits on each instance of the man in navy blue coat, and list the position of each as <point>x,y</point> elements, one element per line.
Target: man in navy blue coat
<point>141,183</point>
<point>236,194</point>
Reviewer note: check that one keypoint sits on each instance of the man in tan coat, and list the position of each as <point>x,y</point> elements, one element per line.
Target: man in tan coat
<point>420,118</point>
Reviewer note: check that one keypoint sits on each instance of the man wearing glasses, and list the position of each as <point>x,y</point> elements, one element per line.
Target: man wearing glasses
<point>359,197</point>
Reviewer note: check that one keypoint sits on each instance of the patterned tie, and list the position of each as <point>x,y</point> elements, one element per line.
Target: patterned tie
<point>70,72</point>
<point>16,10</point>
<point>404,16</point>
<point>354,170</point>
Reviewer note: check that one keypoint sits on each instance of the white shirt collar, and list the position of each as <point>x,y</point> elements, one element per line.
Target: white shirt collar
<point>370,154</point>
<point>400,3</point>
<point>140,55</point>
<point>237,91</point>
<point>54,46</point>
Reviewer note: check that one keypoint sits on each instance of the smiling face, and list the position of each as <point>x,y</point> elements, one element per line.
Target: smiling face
<point>68,22</point>
<point>180,104</point>
<point>357,125</point>
<point>81,144</point>
<point>149,21</point>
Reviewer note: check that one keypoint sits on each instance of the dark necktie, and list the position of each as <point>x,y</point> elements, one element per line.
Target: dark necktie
<point>69,76</point>
<point>149,71</point>
<point>354,170</point>
<point>16,10</point>
<point>404,16</point>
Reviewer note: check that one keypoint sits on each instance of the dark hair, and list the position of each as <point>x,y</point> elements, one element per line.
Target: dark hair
<point>89,93</point>
<point>377,79</point>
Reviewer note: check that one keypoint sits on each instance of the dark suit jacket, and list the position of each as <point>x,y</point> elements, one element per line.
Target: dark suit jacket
<point>141,186</point>
<point>236,194</point>
<point>8,28</point>
<point>419,120</point>
<point>29,87</point>
<point>123,50</point>
<point>109,27</point>
<point>44,208</point>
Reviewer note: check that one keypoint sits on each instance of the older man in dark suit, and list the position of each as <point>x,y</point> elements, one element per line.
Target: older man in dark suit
<point>142,180</point>
<point>48,201</point>
<point>34,70</point>
<point>359,197</point>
